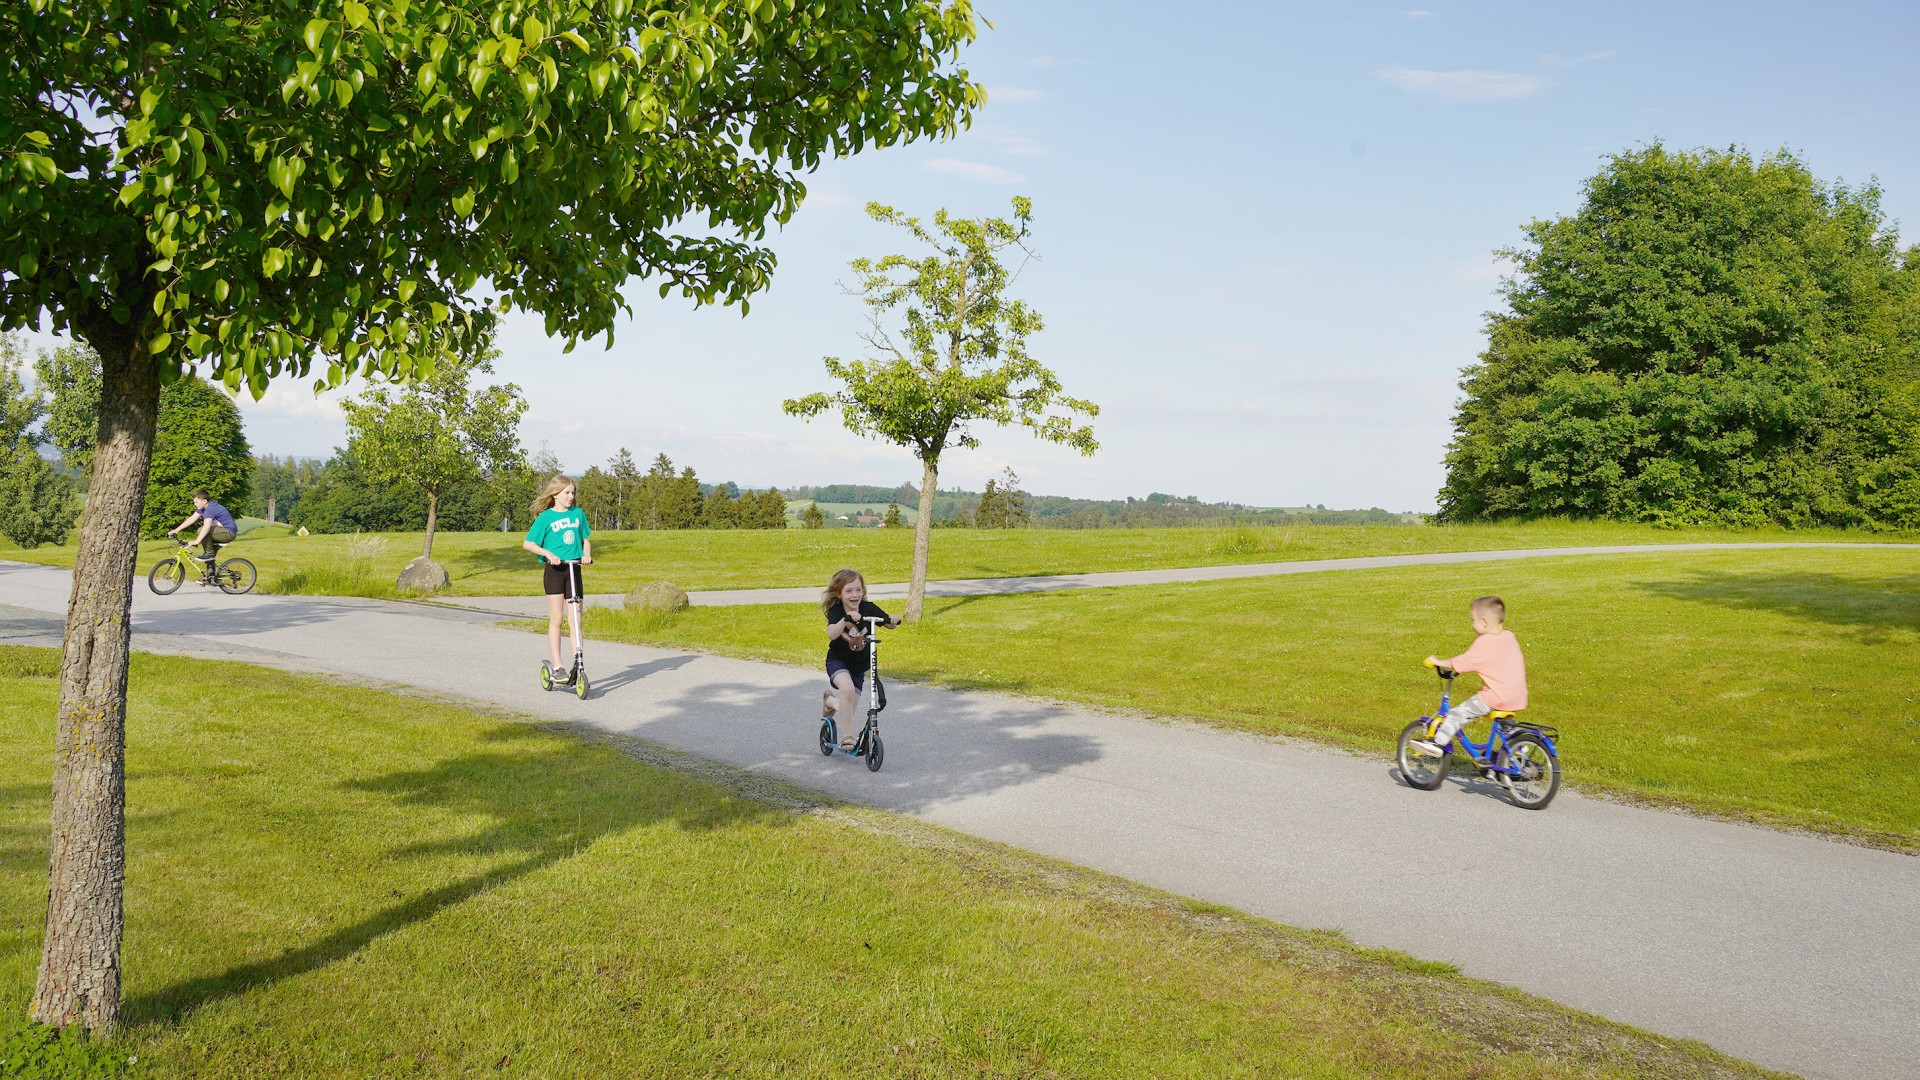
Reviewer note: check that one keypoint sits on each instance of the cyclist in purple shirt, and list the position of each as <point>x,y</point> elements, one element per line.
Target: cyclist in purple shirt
<point>216,527</point>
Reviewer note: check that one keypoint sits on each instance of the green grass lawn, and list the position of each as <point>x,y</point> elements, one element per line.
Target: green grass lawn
<point>327,880</point>
<point>492,564</point>
<point>1775,685</point>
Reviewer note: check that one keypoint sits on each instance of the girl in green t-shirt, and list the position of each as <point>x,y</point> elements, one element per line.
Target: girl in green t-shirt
<point>559,536</point>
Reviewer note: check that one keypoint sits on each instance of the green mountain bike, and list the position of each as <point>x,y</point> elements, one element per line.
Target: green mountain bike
<point>233,576</point>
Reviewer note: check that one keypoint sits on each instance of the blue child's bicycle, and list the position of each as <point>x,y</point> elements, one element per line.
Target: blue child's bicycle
<point>1518,754</point>
<point>867,744</point>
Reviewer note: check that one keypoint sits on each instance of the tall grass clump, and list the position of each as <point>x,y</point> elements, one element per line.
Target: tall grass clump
<point>1243,539</point>
<point>351,573</point>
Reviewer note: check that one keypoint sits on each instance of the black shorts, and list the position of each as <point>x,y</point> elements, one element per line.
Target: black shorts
<point>859,673</point>
<point>560,581</point>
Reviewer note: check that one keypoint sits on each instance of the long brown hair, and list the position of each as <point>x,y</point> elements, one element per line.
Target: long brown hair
<point>560,482</point>
<point>841,578</point>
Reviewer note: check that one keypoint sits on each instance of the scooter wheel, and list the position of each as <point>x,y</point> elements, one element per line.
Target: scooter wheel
<point>580,686</point>
<point>827,741</point>
<point>876,750</point>
<point>546,675</point>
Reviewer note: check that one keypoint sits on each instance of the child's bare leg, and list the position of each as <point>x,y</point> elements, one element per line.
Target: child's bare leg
<point>846,708</point>
<point>554,603</point>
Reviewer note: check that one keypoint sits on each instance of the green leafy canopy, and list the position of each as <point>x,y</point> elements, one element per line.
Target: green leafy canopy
<point>261,185</point>
<point>959,353</point>
<point>1710,338</point>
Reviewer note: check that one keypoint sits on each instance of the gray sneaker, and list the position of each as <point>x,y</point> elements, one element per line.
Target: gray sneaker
<point>1429,748</point>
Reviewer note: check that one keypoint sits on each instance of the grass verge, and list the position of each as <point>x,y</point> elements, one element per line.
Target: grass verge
<point>492,564</point>
<point>326,879</point>
<point>1775,686</point>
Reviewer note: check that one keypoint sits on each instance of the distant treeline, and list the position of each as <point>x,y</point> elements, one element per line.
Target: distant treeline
<point>958,507</point>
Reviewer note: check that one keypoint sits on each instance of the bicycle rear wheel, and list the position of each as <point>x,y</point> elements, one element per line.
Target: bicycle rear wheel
<point>236,576</point>
<point>1423,771</point>
<point>1536,776</point>
<point>166,576</point>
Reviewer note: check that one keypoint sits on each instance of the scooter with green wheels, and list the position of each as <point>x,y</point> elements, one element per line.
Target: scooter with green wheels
<point>576,678</point>
<point>867,744</point>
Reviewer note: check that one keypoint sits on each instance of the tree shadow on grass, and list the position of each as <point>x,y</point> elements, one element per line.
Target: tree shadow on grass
<point>1874,608</point>
<point>542,807</point>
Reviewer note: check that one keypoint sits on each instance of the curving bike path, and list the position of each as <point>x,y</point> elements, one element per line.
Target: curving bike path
<point>533,606</point>
<point>1795,952</point>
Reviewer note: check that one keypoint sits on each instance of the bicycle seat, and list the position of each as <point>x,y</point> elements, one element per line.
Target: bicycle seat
<point>1501,714</point>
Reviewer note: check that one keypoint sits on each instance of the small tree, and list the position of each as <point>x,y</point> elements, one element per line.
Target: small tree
<point>72,373</point>
<point>959,356</point>
<point>36,502</point>
<point>893,515</point>
<point>626,488</point>
<point>812,518</point>
<point>437,434</point>
<point>1003,505</point>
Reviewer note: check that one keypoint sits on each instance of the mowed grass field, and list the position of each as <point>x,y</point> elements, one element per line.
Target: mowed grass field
<point>327,880</point>
<point>492,564</point>
<point>1773,685</point>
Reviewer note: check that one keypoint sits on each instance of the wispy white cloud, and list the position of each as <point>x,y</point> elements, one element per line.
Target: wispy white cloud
<point>828,199</point>
<point>1463,87</point>
<point>1558,61</point>
<point>1013,95</point>
<point>294,399</point>
<point>1418,14</point>
<point>1015,145</point>
<point>978,171</point>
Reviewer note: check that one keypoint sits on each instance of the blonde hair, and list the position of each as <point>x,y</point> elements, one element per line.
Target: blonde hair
<point>1493,606</point>
<point>560,482</point>
<point>841,579</point>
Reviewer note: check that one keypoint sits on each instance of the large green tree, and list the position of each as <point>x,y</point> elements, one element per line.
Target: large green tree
<point>958,356</point>
<point>438,434</point>
<point>264,189</point>
<point>200,443</point>
<point>1712,337</point>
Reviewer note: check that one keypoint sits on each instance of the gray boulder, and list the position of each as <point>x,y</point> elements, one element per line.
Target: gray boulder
<point>657,596</point>
<point>422,575</point>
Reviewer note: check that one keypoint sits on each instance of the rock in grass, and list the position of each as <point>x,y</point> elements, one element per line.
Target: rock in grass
<point>662,596</point>
<point>422,575</point>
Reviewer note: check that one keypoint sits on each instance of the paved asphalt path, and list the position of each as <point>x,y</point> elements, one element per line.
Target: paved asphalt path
<point>536,606</point>
<point>1797,953</point>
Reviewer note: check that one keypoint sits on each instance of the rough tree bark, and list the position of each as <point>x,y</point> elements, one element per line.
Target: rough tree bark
<point>922,534</point>
<point>79,979</point>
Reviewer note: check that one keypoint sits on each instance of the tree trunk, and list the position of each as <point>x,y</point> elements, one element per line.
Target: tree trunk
<point>79,980</point>
<point>922,535</point>
<point>433,515</point>
<point>270,510</point>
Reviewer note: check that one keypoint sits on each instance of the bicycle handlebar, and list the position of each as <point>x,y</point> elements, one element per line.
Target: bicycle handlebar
<point>1439,669</point>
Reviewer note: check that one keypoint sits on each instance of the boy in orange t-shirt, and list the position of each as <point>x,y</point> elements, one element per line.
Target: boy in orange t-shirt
<point>1495,657</point>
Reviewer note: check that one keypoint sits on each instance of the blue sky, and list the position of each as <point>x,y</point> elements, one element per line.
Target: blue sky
<point>1265,233</point>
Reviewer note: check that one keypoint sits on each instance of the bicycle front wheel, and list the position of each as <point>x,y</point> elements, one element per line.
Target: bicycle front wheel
<point>1536,771</point>
<point>166,576</point>
<point>236,576</point>
<point>1423,771</point>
